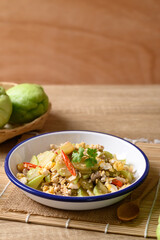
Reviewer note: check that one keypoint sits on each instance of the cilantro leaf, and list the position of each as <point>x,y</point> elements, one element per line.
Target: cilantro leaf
<point>91,160</point>
<point>91,155</point>
<point>92,152</point>
<point>77,156</point>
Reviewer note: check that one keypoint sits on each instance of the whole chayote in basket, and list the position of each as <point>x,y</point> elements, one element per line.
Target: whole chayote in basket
<point>5,107</point>
<point>29,101</point>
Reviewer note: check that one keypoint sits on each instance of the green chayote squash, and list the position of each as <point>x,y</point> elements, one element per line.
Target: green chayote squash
<point>29,101</point>
<point>5,107</point>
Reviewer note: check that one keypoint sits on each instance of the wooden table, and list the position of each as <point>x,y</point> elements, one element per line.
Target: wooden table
<point>126,111</point>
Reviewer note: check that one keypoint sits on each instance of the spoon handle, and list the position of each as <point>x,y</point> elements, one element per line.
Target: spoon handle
<point>150,186</point>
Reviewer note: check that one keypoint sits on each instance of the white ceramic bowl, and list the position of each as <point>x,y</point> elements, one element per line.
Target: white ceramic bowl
<point>122,148</point>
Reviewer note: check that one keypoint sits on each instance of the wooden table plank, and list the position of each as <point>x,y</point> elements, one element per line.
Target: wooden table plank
<point>125,111</point>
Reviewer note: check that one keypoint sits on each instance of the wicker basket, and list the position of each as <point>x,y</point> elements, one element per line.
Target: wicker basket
<point>37,124</point>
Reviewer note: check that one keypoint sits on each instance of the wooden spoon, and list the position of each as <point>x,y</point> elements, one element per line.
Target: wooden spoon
<point>130,210</point>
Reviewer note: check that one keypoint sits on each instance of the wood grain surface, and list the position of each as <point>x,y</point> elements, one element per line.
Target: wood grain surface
<point>127,111</point>
<point>79,42</point>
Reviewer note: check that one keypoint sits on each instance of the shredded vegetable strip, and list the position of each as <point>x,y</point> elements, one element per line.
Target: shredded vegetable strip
<point>68,164</point>
<point>30,165</point>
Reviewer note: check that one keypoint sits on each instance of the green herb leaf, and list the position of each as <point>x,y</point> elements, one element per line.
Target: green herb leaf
<point>77,156</point>
<point>92,152</point>
<point>91,160</point>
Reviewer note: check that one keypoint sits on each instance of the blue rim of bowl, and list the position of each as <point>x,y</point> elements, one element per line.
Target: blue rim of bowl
<point>69,198</point>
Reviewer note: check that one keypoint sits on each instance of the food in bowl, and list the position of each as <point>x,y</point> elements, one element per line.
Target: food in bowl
<point>123,149</point>
<point>77,170</point>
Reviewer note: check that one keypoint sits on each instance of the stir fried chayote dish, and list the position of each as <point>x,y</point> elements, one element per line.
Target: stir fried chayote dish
<point>76,170</point>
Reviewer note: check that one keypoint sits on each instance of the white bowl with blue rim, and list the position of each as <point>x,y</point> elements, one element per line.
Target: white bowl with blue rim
<point>23,152</point>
